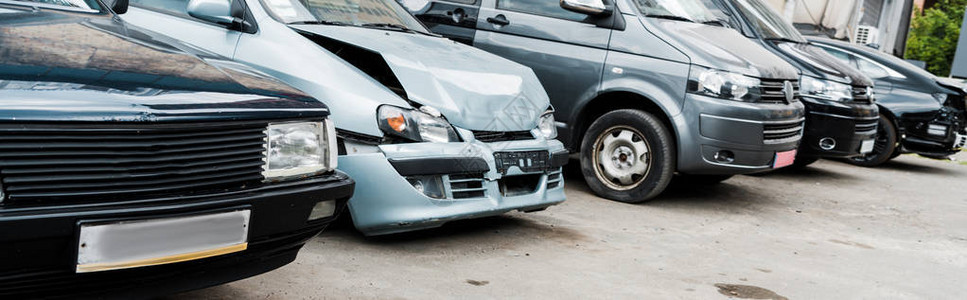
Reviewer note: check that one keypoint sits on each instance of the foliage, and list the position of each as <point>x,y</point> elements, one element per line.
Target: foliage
<point>934,33</point>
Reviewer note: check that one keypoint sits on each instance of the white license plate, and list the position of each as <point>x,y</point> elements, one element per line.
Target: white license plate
<point>867,146</point>
<point>140,243</point>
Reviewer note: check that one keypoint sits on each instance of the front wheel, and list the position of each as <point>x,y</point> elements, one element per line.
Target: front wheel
<point>627,155</point>
<point>883,148</point>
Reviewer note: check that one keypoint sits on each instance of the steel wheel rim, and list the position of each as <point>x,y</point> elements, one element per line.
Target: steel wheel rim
<point>621,157</point>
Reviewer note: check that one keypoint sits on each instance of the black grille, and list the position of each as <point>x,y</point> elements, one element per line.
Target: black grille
<point>773,91</point>
<point>866,125</point>
<point>502,136</point>
<point>777,133</point>
<point>45,163</point>
<point>467,186</point>
<point>859,95</point>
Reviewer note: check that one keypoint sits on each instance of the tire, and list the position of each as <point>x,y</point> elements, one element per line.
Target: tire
<point>614,138</point>
<point>702,179</point>
<point>884,147</point>
<point>802,162</point>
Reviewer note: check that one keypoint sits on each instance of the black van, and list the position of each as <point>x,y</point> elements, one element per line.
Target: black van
<point>842,117</point>
<point>131,168</point>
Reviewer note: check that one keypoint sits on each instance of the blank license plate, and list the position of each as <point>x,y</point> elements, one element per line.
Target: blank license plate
<point>140,243</point>
<point>867,146</point>
<point>784,159</point>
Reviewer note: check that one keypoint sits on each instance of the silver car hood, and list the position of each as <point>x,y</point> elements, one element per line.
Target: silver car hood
<point>473,89</point>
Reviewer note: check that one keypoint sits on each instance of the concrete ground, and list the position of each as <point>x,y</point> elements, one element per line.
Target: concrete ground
<point>830,231</point>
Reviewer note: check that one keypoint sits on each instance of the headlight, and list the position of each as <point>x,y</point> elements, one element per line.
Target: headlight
<point>825,89</point>
<point>723,84</point>
<point>299,149</point>
<point>546,126</point>
<point>425,125</point>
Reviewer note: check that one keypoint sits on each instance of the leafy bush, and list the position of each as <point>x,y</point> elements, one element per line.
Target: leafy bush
<point>933,35</point>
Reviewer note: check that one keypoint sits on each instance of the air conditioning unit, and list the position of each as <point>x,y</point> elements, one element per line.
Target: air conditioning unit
<point>866,35</point>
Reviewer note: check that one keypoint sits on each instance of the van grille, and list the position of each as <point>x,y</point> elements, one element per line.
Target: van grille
<point>778,133</point>
<point>51,163</point>
<point>773,91</point>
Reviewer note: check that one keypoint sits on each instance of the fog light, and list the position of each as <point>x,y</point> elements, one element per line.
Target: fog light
<point>827,143</point>
<point>323,209</point>
<point>725,156</point>
<point>934,129</point>
<point>431,186</point>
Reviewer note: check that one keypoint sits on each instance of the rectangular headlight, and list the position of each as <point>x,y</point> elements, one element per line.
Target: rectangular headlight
<point>299,149</point>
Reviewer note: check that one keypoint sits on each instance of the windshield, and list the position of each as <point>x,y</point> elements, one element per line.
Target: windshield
<point>767,22</point>
<point>75,5</point>
<point>683,10</point>
<point>371,13</point>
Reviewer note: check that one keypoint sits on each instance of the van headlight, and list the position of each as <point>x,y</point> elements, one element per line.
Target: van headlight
<point>424,125</point>
<point>299,149</point>
<point>724,85</point>
<point>546,126</point>
<point>825,89</point>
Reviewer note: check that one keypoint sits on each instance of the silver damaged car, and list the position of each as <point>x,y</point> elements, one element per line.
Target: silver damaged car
<point>431,130</point>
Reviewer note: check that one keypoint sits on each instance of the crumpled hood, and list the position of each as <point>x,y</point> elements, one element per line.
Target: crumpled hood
<point>474,89</point>
<point>818,63</point>
<point>725,49</point>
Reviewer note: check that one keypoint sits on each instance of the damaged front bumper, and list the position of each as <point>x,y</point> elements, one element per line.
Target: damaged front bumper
<point>414,186</point>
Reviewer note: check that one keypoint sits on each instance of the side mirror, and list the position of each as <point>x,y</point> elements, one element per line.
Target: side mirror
<point>215,11</point>
<point>118,6</point>
<point>588,7</point>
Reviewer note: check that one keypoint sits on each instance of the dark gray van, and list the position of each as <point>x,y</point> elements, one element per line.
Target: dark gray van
<point>642,89</point>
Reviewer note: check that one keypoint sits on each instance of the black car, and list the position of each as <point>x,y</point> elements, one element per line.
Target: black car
<point>131,168</point>
<point>842,117</point>
<point>920,113</point>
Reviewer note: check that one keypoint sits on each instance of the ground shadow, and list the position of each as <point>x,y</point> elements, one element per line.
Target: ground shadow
<point>682,193</point>
<point>813,172</point>
<point>916,165</point>
<point>469,229</point>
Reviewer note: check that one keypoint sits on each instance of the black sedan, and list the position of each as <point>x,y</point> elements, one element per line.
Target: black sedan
<point>919,112</point>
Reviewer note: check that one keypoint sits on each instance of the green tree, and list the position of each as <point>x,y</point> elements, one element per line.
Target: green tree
<point>934,34</point>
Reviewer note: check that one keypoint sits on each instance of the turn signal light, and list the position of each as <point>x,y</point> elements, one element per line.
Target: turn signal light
<point>398,123</point>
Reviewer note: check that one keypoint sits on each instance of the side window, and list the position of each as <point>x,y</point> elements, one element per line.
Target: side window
<point>547,8</point>
<point>177,7</point>
<point>871,69</point>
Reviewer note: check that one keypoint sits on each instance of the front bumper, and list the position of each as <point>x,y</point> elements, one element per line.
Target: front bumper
<point>752,132</point>
<point>846,124</point>
<point>39,259</point>
<point>386,202</point>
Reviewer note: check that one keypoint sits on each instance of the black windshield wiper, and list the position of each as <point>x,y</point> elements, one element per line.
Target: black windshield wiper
<point>717,22</point>
<point>318,22</point>
<point>783,39</point>
<point>671,17</point>
<point>398,27</point>
<point>388,26</point>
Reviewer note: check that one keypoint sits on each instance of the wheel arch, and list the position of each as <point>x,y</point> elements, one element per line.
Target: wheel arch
<point>614,100</point>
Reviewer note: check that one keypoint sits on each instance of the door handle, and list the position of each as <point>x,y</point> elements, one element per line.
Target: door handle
<point>498,20</point>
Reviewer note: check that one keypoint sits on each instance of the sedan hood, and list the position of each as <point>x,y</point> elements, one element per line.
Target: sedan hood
<point>59,67</point>
<point>725,49</point>
<point>818,63</point>
<point>474,89</point>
